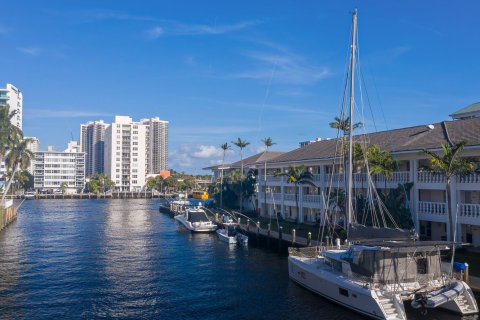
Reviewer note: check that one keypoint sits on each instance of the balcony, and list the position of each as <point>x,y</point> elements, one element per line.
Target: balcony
<point>469,213</point>
<point>471,178</point>
<point>289,197</point>
<point>276,197</point>
<point>430,177</point>
<point>432,211</point>
<point>312,198</point>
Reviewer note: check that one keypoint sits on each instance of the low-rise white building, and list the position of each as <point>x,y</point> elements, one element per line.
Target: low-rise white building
<point>428,202</point>
<point>54,169</point>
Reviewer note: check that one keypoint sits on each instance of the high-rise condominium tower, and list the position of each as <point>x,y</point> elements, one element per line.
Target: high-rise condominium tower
<point>33,146</point>
<point>156,144</point>
<point>92,142</point>
<point>125,153</point>
<point>11,96</point>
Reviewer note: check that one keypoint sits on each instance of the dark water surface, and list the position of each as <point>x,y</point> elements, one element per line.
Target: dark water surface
<point>69,259</point>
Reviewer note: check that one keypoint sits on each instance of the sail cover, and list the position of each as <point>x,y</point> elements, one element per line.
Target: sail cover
<point>358,232</point>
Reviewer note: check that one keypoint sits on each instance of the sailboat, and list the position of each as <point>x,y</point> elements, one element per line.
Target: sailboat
<point>380,269</point>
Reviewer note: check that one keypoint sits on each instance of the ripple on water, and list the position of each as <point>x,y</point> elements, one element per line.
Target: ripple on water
<point>123,259</point>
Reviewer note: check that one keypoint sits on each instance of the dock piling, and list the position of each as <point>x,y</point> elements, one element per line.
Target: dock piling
<point>294,235</point>
<point>309,239</point>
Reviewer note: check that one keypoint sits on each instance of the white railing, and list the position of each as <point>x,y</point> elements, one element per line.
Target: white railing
<point>312,198</point>
<point>430,177</point>
<point>272,178</point>
<point>335,177</point>
<point>317,177</point>
<point>471,178</point>
<point>436,208</point>
<point>289,197</point>
<point>470,210</point>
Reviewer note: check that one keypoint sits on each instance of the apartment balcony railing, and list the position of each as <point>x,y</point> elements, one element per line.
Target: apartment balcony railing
<point>471,178</point>
<point>289,197</point>
<point>470,211</point>
<point>430,177</point>
<point>312,198</point>
<point>334,177</point>
<point>435,208</point>
<point>276,196</point>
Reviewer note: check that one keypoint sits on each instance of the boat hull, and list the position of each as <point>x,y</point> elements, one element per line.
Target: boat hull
<point>225,238</point>
<point>331,287</point>
<point>195,229</point>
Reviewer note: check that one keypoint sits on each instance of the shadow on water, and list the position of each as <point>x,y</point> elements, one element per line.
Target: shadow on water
<point>114,259</point>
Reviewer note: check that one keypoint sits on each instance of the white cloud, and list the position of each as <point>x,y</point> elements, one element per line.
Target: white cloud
<point>282,67</point>
<point>189,156</point>
<point>155,32</point>
<point>33,51</point>
<point>45,113</point>
<point>175,28</point>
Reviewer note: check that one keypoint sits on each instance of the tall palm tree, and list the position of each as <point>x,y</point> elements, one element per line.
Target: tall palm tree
<point>451,165</point>
<point>225,147</point>
<point>343,124</point>
<point>241,144</point>
<point>9,134</point>
<point>267,142</point>
<point>18,157</point>
<point>381,162</point>
<point>298,176</point>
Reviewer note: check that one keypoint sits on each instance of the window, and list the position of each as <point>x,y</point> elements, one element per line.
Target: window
<point>343,292</point>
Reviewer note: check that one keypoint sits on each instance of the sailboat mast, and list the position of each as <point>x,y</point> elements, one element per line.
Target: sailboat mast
<point>350,134</point>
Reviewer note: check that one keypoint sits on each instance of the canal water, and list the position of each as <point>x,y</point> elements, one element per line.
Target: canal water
<point>122,259</point>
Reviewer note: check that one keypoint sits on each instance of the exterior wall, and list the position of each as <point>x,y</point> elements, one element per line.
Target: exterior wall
<point>92,142</point>
<point>13,97</point>
<point>33,147</point>
<point>125,154</point>
<point>156,139</point>
<point>52,168</point>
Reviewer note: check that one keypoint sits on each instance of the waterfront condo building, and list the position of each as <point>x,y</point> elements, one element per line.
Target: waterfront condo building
<point>92,142</point>
<point>125,153</point>
<point>12,96</point>
<point>156,143</point>
<point>33,146</point>
<point>55,170</point>
<point>427,197</point>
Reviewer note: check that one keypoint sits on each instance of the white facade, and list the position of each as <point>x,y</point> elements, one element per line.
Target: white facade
<point>125,150</point>
<point>53,168</point>
<point>92,142</point>
<point>12,96</point>
<point>156,144</point>
<point>33,146</point>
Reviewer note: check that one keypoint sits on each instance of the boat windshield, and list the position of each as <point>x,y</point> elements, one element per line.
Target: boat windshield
<point>197,216</point>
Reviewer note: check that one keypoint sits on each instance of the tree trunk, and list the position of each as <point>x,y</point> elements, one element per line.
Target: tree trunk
<point>449,209</point>
<point>9,184</point>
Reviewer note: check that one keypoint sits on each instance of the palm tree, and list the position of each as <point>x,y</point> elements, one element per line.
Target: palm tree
<point>343,124</point>
<point>241,144</point>
<point>224,148</point>
<point>8,132</point>
<point>267,142</point>
<point>381,162</point>
<point>451,165</point>
<point>18,157</point>
<point>298,176</point>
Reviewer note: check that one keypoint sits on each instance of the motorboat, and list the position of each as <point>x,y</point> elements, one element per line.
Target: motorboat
<point>195,219</point>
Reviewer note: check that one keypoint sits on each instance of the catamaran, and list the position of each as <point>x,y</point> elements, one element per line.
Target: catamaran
<point>380,268</point>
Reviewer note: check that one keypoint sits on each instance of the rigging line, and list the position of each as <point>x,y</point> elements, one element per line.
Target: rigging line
<point>265,97</point>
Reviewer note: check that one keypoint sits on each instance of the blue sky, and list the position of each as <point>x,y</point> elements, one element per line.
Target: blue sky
<point>218,70</point>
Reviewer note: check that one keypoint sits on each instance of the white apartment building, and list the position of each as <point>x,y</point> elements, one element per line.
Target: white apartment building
<point>33,146</point>
<point>156,144</point>
<point>53,168</point>
<point>12,96</point>
<point>125,150</point>
<point>92,142</point>
<point>428,203</point>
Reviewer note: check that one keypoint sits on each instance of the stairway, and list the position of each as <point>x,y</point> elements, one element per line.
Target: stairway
<point>388,306</point>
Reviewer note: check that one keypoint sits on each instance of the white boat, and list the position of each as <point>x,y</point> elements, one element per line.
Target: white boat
<point>242,238</point>
<point>384,269</point>
<point>29,195</point>
<point>195,219</point>
<point>226,236</point>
